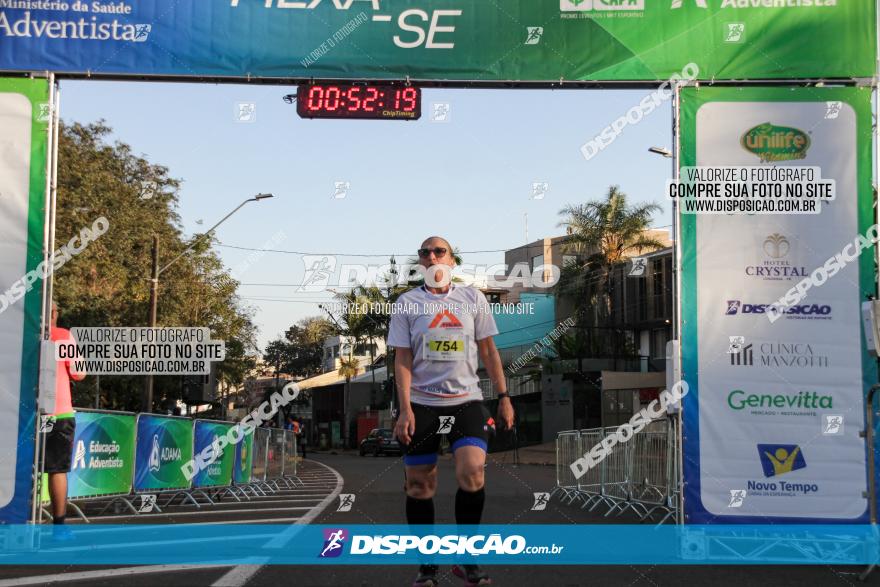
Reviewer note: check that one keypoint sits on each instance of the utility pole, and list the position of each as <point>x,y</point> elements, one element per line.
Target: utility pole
<point>147,403</point>
<point>147,400</point>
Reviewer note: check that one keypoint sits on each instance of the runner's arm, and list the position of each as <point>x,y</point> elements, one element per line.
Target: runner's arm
<point>403,360</point>
<point>492,361</point>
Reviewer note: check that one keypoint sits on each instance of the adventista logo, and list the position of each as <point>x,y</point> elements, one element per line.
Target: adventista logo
<point>334,541</point>
<point>79,459</point>
<point>776,143</point>
<point>82,28</point>
<point>779,459</point>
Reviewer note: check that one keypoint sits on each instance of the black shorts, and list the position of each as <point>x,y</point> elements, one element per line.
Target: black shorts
<point>59,446</point>
<point>471,427</point>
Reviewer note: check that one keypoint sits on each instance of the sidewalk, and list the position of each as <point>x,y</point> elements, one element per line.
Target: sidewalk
<point>538,454</point>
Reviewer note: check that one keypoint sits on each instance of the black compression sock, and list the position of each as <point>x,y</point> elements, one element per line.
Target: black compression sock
<point>419,511</point>
<point>469,506</point>
<point>58,519</point>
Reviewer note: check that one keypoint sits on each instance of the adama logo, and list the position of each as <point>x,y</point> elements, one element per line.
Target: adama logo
<point>776,143</point>
<point>445,319</point>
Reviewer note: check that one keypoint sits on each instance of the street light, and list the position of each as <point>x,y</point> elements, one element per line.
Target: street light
<point>661,151</point>
<point>154,285</point>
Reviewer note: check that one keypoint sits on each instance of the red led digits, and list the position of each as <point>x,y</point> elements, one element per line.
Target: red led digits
<point>409,97</point>
<point>369,103</point>
<point>358,100</point>
<point>316,96</point>
<point>354,101</point>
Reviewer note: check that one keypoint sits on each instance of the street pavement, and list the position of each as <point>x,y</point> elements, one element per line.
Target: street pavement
<point>377,483</point>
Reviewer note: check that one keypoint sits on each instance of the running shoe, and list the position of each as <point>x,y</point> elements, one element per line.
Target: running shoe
<point>472,575</point>
<point>427,576</point>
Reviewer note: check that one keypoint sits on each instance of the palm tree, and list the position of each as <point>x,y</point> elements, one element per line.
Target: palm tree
<point>348,368</point>
<point>605,232</point>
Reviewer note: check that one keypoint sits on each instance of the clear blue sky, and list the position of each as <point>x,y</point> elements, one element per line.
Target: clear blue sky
<point>469,179</point>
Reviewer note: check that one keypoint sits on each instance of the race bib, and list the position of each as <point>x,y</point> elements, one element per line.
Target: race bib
<point>445,347</point>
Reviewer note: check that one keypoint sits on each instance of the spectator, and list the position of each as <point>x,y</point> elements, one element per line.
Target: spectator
<point>59,438</point>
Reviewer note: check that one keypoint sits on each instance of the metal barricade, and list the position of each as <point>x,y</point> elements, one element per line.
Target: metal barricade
<point>275,456</point>
<point>288,462</point>
<point>590,486</point>
<point>639,474</point>
<point>616,472</point>
<point>568,450</point>
<point>651,469</point>
<point>261,455</point>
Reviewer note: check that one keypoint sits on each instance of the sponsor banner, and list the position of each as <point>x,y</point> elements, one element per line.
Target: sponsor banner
<point>164,444</point>
<point>24,114</point>
<point>103,455</point>
<point>244,459</point>
<point>384,544</point>
<point>446,40</point>
<point>772,423</point>
<point>218,472</point>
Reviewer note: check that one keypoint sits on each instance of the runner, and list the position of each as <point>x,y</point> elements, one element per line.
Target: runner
<point>435,367</point>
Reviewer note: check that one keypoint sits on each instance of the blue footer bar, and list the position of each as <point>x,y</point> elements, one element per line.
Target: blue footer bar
<point>443,544</point>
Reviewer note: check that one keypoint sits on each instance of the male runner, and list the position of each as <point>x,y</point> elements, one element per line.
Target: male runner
<point>437,346</point>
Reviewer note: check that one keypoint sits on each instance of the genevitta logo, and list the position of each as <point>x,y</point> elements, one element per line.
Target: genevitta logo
<point>801,312</point>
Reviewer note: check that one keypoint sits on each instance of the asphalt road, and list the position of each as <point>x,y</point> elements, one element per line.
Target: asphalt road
<point>377,484</point>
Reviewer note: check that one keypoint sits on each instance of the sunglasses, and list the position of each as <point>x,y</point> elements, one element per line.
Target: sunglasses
<point>438,252</point>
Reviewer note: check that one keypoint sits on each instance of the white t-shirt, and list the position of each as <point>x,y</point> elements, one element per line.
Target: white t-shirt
<point>442,331</point>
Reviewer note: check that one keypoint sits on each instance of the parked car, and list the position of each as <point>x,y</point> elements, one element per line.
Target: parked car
<point>380,441</point>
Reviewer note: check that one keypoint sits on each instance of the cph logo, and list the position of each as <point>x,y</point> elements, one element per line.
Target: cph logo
<point>334,541</point>
<point>154,462</point>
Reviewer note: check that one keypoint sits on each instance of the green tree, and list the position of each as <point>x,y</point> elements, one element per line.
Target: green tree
<point>108,283</point>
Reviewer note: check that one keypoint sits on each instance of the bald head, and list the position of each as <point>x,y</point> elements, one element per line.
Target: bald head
<point>433,241</point>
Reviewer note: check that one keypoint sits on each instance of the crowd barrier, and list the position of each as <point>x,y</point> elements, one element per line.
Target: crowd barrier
<point>640,474</point>
<point>133,459</point>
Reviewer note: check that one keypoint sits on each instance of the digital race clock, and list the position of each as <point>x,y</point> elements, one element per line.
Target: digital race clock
<point>358,101</point>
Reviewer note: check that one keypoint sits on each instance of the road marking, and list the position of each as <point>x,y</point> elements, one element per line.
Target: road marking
<point>236,577</point>
<point>118,572</point>
<point>241,574</point>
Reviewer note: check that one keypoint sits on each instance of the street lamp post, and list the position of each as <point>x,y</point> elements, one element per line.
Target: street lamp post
<point>147,402</point>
